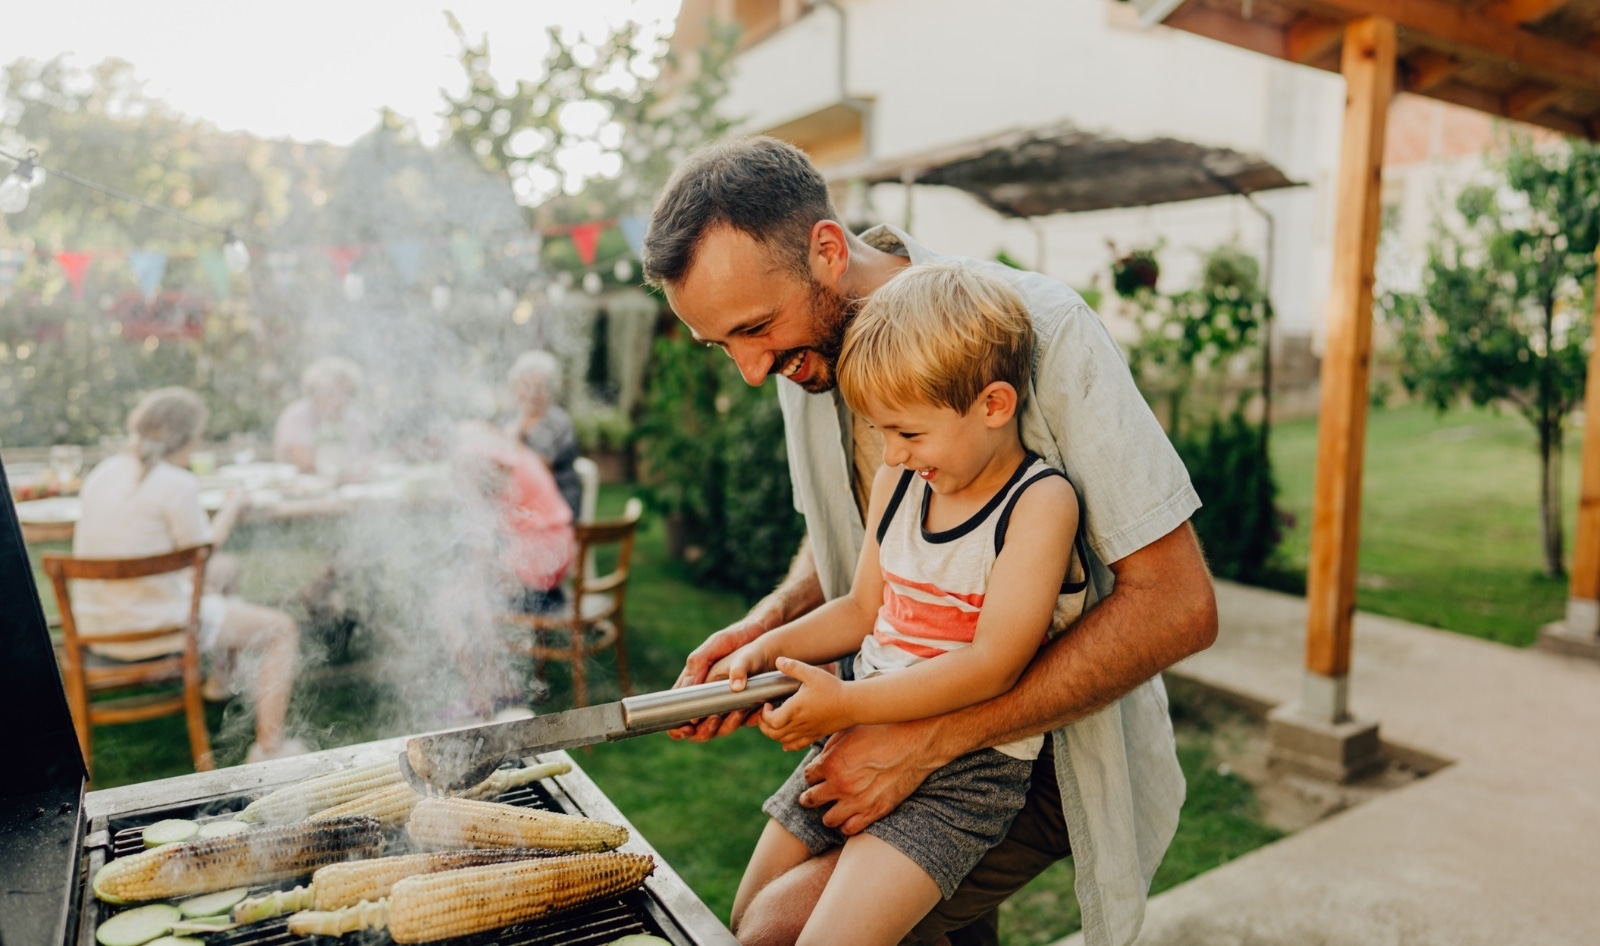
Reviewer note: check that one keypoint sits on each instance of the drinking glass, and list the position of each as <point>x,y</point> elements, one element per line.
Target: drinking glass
<point>66,462</point>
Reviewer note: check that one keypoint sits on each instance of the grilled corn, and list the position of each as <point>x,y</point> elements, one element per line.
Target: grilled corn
<point>447,823</point>
<point>461,902</point>
<point>392,804</point>
<point>302,799</point>
<point>342,885</point>
<point>243,860</point>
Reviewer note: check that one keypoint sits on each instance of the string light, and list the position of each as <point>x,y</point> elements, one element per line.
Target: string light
<point>22,179</point>
<point>234,253</point>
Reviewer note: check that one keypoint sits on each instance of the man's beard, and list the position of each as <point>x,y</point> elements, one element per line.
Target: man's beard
<point>831,313</point>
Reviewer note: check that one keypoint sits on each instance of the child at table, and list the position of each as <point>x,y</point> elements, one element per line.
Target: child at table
<point>968,563</point>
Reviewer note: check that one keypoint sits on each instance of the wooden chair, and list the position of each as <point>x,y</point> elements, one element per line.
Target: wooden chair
<point>592,618</point>
<point>88,674</point>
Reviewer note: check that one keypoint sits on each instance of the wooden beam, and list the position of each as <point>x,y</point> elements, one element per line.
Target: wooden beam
<point>1529,100</point>
<point>1521,11</point>
<point>1457,30</point>
<point>1586,550</point>
<point>1427,68</point>
<point>1247,34</point>
<point>1312,37</point>
<point>1368,65</point>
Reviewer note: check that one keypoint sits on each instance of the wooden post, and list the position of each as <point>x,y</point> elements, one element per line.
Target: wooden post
<point>1583,600</point>
<point>1368,64</point>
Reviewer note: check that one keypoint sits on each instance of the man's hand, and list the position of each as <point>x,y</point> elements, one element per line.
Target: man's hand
<point>709,661</point>
<point>819,708</point>
<point>867,771</point>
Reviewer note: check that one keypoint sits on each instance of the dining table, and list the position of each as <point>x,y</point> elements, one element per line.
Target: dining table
<point>274,492</point>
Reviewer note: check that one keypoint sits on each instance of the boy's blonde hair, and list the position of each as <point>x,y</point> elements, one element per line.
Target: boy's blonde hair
<point>938,333</point>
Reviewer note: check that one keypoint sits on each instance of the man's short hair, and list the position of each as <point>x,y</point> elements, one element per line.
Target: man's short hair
<point>938,333</point>
<point>764,187</point>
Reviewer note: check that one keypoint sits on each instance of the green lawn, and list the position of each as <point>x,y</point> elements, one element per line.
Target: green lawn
<point>1449,524</point>
<point>698,804</point>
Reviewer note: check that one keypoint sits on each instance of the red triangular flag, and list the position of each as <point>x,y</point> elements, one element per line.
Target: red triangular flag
<point>343,257</point>
<point>76,266</point>
<point>586,237</point>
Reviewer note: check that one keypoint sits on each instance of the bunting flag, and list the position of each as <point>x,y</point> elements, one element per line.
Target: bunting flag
<point>148,267</point>
<point>406,257</point>
<point>586,237</point>
<point>10,268</point>
<point>76,266</point>
<point>281,264</point>
<point>633,229</point>
<point>215,266</point>
<point>468,253</point>
<point>343,258</point>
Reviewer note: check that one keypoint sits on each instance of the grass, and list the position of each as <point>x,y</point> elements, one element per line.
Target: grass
<point>1449,524</point>
<point>698,804</point>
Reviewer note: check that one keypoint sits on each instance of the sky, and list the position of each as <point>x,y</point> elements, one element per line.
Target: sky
<point>305,70</point>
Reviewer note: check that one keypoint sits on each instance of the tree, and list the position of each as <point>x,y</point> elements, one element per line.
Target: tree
<point>73,368</point>
<point>625,102</point>
<point>1503,313</point>
<point>1190,331</point>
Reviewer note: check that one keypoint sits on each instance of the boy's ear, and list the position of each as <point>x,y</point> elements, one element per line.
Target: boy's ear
<point>999,402</point>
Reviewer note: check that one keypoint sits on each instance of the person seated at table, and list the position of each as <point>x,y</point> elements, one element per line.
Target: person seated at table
<point>542,425</point>
<point>515,545</point>
<point>324,431</point>
<point>144,501</point>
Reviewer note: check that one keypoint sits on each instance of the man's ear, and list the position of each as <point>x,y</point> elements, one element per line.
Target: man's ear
<point>830,252</point>
<point>999,402</point>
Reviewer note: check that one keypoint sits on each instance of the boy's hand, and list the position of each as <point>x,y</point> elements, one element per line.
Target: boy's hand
<point>739,665</point>
<point>820,708</point>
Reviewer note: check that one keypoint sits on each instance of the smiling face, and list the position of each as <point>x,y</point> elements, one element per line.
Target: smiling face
<point>767,317</point>
<point>952,451</point>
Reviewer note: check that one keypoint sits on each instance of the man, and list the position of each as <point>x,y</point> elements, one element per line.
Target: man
<point>748,249</point>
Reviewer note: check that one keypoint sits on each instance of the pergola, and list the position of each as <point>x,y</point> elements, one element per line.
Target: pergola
<point>1063,169</point>
<point>1535,61</point>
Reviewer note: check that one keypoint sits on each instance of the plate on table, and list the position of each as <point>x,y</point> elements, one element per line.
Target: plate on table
<point>54,509</point>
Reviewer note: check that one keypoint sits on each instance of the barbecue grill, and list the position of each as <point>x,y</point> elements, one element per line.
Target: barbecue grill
<point>53,836</point>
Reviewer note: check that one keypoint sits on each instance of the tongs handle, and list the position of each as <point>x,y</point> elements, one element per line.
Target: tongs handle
<point>654,712</point>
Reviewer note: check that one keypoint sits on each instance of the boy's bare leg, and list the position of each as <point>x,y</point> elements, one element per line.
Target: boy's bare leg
<point>777,854</point>
<point>875,896</point>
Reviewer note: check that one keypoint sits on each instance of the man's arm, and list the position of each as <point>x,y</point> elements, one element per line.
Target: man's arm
<point>799,593</point>
<point>1162,609</point>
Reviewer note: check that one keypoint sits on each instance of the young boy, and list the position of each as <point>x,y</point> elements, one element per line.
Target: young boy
<point>968,564</point>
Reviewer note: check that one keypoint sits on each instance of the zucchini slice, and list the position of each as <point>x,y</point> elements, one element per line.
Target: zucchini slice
<point>170,831</point>
<point>221,829</point>
<point>213,904</point>
<point>176,941</point>
<point>137,926</point>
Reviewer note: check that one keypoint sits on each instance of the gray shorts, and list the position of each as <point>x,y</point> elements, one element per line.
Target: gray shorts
<point>945,827</point>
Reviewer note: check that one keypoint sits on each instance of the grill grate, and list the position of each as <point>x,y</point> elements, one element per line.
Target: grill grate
<point>593,924</point>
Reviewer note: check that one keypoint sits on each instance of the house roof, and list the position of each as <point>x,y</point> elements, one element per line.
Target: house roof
<point>1535,61</point>
<point>1061,169</point>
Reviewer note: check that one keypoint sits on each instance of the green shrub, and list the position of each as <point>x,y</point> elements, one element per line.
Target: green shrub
<point>1239,524</point>
<point>716,466</point>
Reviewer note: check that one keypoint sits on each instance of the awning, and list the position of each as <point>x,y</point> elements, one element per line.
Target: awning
<point>1530,60</point>
<point>1062,169</point>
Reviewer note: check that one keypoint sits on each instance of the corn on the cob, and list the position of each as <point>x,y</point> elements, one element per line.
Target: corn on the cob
<point>392,804</point>
<point>342,885</point>
<point>241,860</point>
<point>447,823</point>
<point>461,902</point>
<point>297,801</point>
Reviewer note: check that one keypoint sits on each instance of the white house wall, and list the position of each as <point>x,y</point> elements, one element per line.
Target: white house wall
<point>944,71</point>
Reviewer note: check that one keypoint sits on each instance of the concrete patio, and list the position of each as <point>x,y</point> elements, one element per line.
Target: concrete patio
<point>1501,846</point>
